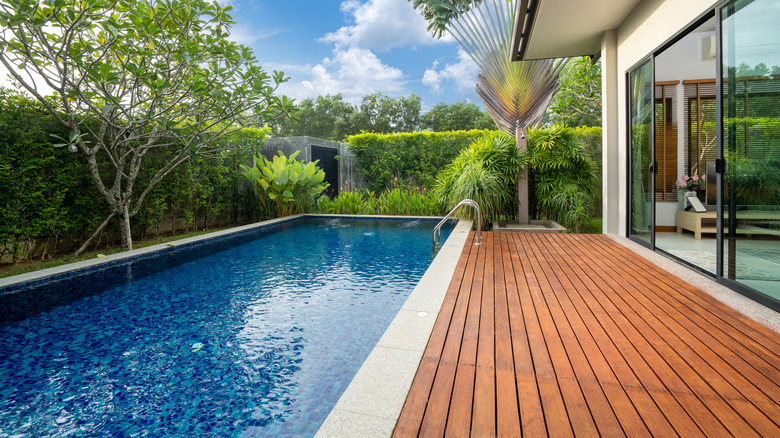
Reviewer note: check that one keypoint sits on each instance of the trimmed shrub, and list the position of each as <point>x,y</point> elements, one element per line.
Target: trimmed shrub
<point>393,201</point>
<point>413,159</point>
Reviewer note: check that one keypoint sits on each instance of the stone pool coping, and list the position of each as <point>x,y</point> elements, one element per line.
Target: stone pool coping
<point>75,266</point>
<point>70,267</point>
<point>372,403</point>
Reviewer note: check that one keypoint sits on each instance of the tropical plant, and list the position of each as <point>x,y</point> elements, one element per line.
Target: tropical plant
<point>440,13</point>
<point>347,202</point>
<point>487,173</point>
<point>285,185</point>
<point>562,177</point>
<point>752,182</point>
<point>392,201</point>
<point>133,76</point>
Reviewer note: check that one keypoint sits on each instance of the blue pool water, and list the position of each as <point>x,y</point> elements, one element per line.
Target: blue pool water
<point>258,339</point>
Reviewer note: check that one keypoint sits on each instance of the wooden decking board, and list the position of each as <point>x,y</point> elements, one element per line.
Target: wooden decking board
<point>567,335</point>
<point>600,408</point>
<point>650,382</point>
<point>720,366</point>
<point>648,409</point>
<point>708,339</point>
<point>756,335</point>
<point>529,404</point>
<point>677,380</point>
<point>595,376</point>
<point>416,403</point>
<point>692,367</point>
<point>483,421</point>
<point>550,396</point>
<point>730,322</point>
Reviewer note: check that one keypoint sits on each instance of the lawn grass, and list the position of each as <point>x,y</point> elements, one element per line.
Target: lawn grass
<point>36,265</point>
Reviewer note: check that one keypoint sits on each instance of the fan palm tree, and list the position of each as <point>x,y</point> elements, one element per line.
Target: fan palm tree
<point>515,94</point>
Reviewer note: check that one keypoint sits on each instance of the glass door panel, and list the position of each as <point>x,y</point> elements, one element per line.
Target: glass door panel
<point>685,147</point>
<point>751,146</point>
<point>640,82</point>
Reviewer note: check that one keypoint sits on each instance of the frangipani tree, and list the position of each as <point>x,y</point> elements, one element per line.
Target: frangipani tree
<point>134,76</point>
<point>515,94</point>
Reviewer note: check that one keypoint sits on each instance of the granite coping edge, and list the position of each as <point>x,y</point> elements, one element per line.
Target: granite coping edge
<point>75,266</point>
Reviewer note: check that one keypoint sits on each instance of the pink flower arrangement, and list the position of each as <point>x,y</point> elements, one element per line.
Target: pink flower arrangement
<point>690,183</point>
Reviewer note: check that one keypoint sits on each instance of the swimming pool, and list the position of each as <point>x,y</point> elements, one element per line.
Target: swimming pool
<point>256,339</point>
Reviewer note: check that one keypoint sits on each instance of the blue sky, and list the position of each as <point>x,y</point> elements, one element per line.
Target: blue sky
<point>353,47</point>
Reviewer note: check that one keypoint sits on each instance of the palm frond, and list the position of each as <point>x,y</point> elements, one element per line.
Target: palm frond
<point>515,94</point>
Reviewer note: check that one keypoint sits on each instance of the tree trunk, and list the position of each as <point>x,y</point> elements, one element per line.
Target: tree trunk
<point>97,232</point>
<point>522,179</point>
<point>124,229</point>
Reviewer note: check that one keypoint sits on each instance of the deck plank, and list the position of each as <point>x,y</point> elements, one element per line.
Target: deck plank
<point>567,335</point>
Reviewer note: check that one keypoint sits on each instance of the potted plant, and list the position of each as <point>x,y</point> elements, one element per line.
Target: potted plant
<point>690,186</point>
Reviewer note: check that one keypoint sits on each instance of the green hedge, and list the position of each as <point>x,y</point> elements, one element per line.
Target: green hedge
<point>47,195</point>
<point>411,159</point>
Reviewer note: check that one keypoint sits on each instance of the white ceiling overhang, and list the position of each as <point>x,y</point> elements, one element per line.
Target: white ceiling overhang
<point>562,28</point>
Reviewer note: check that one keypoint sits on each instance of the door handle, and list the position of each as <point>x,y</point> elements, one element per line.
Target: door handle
<point>653,168</point>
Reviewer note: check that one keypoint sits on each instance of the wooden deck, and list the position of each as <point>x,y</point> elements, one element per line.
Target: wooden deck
<point>562,335</point>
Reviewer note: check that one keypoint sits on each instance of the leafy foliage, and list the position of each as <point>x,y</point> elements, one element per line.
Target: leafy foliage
<point>562,178</point>
<point>440,13</point>
<point>330,117</point>
<point>413,159</point>
<point>383,114</point>
<point>326,117</point>
<point>459,116</point>
<point>131,76</point>
<point>48,196</point>
<point>285,185</point>
<point>578,100</point>
<point>46,193</point>
<point>486,172</point>
<point>393,201</point>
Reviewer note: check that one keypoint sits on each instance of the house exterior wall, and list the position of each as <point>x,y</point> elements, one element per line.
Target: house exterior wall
<point>650,25</point>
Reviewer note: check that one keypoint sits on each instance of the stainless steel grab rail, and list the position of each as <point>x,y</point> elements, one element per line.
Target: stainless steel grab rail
<point>469,202</point>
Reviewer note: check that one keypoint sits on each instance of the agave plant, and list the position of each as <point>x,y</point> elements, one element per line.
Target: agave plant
<point>284,183</point>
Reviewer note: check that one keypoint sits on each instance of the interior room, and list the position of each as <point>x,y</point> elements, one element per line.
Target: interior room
<point>686,149</point>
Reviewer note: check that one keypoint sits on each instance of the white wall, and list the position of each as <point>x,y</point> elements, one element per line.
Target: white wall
<point>651,24</point>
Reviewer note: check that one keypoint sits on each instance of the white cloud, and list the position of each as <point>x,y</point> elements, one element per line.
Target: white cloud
<point>353,72</point>
<point>463,74</point>
<point>381,25</point>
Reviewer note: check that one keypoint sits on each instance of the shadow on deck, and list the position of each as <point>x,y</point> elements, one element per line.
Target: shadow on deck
<point>547,334</point>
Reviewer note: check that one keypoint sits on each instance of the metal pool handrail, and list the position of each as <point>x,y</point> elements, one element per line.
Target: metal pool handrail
<point>469,202</point>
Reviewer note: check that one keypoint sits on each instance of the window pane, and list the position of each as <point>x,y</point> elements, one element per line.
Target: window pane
<point>640,113</point>
<point>751,108</point>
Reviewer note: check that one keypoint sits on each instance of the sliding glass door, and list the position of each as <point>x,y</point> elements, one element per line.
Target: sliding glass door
<point>640,84</point>
<point>704,148</point>
<point>751,144</point>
